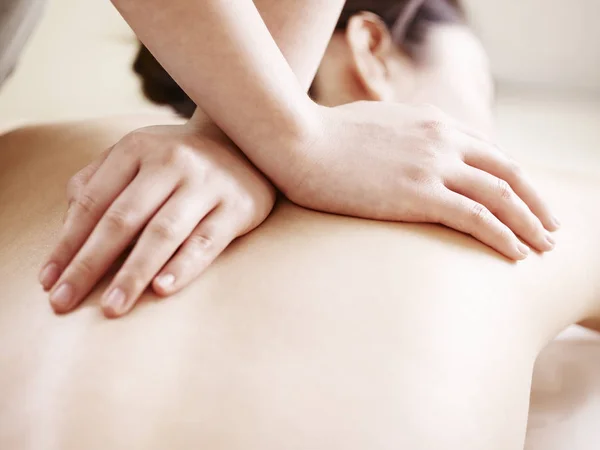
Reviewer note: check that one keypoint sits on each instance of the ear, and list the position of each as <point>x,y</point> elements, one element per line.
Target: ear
<point>372,50</point>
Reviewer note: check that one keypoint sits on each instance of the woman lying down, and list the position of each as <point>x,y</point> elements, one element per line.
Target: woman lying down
<point>312,332</point>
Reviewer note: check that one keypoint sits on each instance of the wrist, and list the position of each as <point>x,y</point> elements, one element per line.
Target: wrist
<point>284,154</point>
<point>201,124</point>
<point>285,150</point>
<point>305,128</point>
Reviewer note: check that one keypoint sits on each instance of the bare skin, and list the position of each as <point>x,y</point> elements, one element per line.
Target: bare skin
<point>444,171</point>
<point>320,331</point>
<point>387,338</point>
<point>377,160</point>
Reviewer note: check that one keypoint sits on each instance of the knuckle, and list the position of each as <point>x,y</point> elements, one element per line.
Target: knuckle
<point>479,214</point>
<point>420,174</point>
<point>430,155</point>
<point>434,125</point>
<point>247,214</point>
<point>436,130</point>
<point>199,243</point>
<point>178,157</point>
<point>133,140</point>
<point>86,203</point>
<point>245,204</point>
<point>504,190</point>
<point>134,144</point>
<point>202,174</point>
<point>82,267</point>
<point>119,220</point>
<point>165,229</point>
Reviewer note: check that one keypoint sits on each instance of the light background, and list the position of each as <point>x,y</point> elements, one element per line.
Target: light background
<point>542,43</point>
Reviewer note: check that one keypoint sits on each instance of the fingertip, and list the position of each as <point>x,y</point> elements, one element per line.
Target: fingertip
<point>59,309</point>
<point>553,224</point>
<point>49,275</point>
<point>164,284</point>
<point>110,313</point>
<point>550,242</point>
<point>62,298</point>
<point>523,251</point>
<point>542,243</point>
<point>114,303</point>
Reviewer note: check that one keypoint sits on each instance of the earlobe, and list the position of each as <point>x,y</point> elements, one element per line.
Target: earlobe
<point>371,48</point>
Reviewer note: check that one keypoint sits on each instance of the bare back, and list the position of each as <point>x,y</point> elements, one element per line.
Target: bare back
<point>314,331</point>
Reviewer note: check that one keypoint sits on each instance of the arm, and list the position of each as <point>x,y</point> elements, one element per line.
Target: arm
<point>377,160</point>
<point>238,197</point>
<point>357,159</point>
<point>237,62</point>
<point>301,29</point>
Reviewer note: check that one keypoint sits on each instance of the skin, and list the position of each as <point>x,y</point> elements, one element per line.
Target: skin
<point>241,357</point>
<point>380,160</point>
<point>324,136</point>
<point>314,329</point>
<point>288,24</point>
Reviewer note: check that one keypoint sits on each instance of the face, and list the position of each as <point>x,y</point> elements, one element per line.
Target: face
<point>362,63</point>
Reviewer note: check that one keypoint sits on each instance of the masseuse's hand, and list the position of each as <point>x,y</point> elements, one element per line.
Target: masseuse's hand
<point>188,192</point>
<point>414,164</point>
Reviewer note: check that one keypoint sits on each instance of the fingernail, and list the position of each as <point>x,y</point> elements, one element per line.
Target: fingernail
<point>523,249</point>
<point>165,281</point>
<point>115,300</point>
<point>550,240</point>
<point>62,296</point>
<point>556,222</point>
<point>48,275</point>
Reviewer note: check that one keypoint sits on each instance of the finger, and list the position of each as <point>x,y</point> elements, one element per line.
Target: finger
<point>159,241</point>
<point>463,214</point>
<point>205,243</point>
<point>81,178</point>
<point>498,197</point>
<point>87,209</point>
<point>114,231</point>
<point>496,163</point>
<point>78,182</point>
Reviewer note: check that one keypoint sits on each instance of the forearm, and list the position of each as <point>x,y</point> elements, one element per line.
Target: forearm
<point>236,62</point>
<point>301,30</point>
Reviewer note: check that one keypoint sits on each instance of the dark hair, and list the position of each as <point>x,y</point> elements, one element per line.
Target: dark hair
<point>408,21</point>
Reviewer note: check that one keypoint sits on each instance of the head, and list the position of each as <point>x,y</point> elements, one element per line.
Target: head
<point>387,50</point>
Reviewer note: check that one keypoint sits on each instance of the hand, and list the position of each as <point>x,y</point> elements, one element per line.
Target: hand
<point>189,193</point>
<point>410,163</point>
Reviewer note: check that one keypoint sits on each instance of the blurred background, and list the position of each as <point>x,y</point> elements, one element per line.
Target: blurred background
<point>545,56</point>
<point>542,44</point>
